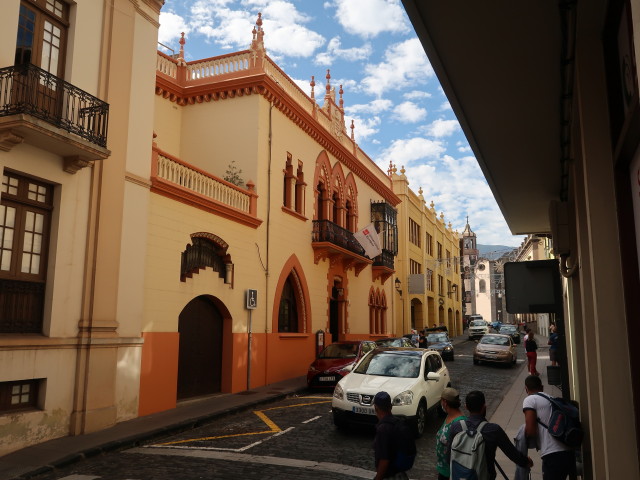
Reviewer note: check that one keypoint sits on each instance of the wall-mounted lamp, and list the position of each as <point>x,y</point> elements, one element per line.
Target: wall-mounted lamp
<point>398,284</point>
<point>454,289</point>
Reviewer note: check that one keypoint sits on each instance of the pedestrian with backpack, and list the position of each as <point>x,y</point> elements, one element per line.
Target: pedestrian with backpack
<point>450,403</point>
<point>473,443</point>
<point>558,458</point>
<point>394,445</point>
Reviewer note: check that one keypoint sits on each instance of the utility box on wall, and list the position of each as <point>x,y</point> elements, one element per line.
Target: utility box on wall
<point>533,287</point>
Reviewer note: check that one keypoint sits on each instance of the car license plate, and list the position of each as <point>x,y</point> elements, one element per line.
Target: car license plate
<point>364,410</point>
<point>327,379</point>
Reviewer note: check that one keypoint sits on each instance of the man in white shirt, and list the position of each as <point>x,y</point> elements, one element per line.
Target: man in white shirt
<point>558,459</point>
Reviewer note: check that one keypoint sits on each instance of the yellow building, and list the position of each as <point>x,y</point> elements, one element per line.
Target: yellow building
<point>428,263</point>
<point>73,211</point>
<point>240,278</point>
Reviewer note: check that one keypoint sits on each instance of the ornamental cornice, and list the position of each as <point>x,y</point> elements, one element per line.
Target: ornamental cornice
<point>262,84</point>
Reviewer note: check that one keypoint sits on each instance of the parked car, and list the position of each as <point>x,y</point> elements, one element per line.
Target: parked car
<point>440,342</point>
<point>395,342</point>
<point>512,331</point>
<point>495,348</point>
<point>496,326</point>
<point>331,363</point>
<point>413,377</point>
<point>477,328</point>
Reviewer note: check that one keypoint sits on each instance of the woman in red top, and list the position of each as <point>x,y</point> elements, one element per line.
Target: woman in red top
<point>531,346</point>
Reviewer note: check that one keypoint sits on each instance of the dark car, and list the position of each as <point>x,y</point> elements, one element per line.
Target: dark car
<point>329,366</point>
<point>512,331</point>
<point>395,342</point>
<point>496,326</point>
<point>440,342</point>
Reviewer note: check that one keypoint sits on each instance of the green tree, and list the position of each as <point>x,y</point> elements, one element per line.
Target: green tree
<point>232,175</point>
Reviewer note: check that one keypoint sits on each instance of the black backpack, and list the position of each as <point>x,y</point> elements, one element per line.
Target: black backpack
<point>405,445</point>
<point>564,423</point>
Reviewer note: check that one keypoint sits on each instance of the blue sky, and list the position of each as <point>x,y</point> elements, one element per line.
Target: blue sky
<point>390,90</point>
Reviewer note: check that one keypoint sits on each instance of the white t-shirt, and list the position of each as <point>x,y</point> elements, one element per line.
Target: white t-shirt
<point>542,406</point>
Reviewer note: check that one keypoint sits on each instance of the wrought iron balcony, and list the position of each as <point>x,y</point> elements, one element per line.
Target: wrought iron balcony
<point>327,231</point>
<point>330,240</point>
<point>385,259</point>
<point>27,89</point>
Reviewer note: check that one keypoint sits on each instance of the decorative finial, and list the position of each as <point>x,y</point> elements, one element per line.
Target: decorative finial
<point>181,54</point>
<point>420,191</point>
<point>259,21</point>
<point>442,216</point>
<point>390,169</point>
<point>341,101</point>
<point>328,77</point>
<point>432,205</point>
<point>402,170</point>
<point>352,135</point>
<point>395,169</point>
<point>313,85</point>
<point>449,225</point>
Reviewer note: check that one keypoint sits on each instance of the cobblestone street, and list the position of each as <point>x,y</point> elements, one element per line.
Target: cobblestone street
<point>290,439</point>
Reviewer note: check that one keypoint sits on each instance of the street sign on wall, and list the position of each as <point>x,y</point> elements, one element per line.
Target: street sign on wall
<point>252,299</point>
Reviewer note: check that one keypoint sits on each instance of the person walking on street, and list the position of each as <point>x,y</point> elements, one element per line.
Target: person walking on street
<point>450,403</point>
<point>531,348</point>
<point>553,345</point>
<point>558,459</point>
<point>383,444</point>
<point>494,436</point>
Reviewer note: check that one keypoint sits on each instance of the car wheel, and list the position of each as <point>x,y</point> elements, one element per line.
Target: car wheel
<point>340,423</point>
<point>420,423</point>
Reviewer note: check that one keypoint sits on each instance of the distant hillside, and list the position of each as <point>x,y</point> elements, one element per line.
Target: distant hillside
<point>493,251</point>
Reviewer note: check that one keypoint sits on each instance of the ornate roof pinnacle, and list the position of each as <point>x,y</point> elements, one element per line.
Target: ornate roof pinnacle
<point>181,54</point>
<point>352,128</point>
<point>402,170</point>
<point>258,35</point>
<point>390,169</point>
<point>328,77</point>
<point>341,101</point>
<point>313,85</point>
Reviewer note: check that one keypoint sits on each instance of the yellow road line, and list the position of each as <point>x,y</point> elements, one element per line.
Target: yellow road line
<point>273,428</point>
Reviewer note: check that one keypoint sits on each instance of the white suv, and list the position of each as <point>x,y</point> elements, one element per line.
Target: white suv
<point>413,377</point>
<point>477,328</point>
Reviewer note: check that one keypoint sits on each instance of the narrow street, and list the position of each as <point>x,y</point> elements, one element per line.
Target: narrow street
<point>290,439</point>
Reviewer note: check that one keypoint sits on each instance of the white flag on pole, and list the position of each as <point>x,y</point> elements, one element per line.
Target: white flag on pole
<point>370,241</point>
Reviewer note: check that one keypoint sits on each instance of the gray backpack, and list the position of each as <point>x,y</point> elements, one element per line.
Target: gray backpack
<point>468,461</point>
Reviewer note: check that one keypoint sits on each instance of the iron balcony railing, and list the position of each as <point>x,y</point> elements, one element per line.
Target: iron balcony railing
<point>327,231</point>
<point>31,90</point>
<point>385,259</point>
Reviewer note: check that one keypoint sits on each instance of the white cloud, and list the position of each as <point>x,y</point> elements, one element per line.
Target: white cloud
<point>405,65</point>
<point>406,151</point>
<point>409,112</point>
<point>442,128</point>
<point>445,106</point>
<point>416,95</point>
<point>335,52</point>
<point>363,127</point>
<point>171,25</point>
<point>374,107</point>
<point>369,18</point>
<point>283,24</point>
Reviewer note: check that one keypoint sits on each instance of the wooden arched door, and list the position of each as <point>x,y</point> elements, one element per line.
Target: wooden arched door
<point>200,349</point>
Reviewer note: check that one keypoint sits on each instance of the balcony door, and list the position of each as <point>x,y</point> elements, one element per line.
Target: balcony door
<point>41,41</point>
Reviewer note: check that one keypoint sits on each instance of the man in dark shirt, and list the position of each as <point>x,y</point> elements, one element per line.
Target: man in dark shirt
<point>383,445</point>
<point>494,435</point>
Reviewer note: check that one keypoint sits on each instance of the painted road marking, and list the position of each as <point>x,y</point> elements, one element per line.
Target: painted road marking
<point>273,428</point>
<point>311,419</point>
<point>310,465</point>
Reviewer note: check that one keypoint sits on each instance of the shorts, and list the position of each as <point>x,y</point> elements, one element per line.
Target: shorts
<point>553,355</point>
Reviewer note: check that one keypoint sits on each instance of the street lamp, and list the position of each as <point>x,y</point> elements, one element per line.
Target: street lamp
<point>398,284</point>
<point>454,289</point>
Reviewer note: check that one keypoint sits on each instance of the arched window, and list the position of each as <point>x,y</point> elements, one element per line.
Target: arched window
<point>293,186</point>
<point>336,208</point>
<point>206,250</point>
<point>483,286</point>
<point>377,312</point>
<point>288,311</point>
<point>320,213</point>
